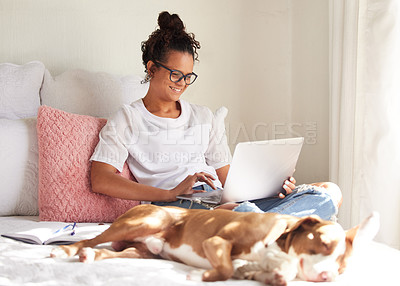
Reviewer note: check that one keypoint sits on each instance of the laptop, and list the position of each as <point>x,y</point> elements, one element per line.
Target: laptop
<point>258,170</point>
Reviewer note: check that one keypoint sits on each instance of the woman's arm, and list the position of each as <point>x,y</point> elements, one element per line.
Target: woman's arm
<point>222,173</point>
<point>105,180</point>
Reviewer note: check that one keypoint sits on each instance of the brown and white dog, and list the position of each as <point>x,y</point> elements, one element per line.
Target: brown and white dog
<point>267,247</point>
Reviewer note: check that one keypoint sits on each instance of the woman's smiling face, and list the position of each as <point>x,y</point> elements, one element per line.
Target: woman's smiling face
<point>160,81</point>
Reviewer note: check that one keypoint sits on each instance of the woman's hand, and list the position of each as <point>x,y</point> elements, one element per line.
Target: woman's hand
<point>288,186</point>
<point>186,186</point>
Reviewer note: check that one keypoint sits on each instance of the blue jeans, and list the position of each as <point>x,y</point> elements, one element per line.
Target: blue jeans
<point>303,201</point>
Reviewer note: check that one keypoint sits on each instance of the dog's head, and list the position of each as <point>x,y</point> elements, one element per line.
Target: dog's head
<point>323,247</point>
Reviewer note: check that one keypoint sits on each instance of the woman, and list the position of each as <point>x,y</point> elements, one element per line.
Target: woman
<point>172,147</point>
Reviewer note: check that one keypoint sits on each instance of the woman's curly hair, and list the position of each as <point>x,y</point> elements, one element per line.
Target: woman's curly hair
<point>171,35</point>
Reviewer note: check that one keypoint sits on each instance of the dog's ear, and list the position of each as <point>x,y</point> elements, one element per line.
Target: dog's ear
<point>365,231</point>
<point>285,240</point>
<point>305,223</point>
<point>358,235</point>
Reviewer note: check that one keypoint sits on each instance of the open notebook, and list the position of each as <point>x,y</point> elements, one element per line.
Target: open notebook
<point>258,170</point>
<point>57,233</point>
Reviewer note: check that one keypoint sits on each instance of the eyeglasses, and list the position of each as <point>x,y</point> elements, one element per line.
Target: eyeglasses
<point>177,76</point>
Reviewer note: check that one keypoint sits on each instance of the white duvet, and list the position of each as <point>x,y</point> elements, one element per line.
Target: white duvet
<point>25,264</point>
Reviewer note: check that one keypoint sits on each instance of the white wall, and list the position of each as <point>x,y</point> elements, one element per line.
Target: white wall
<point>266,60</point>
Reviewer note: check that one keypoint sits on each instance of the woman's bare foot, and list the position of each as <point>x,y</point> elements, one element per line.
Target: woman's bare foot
<point>227,206</point>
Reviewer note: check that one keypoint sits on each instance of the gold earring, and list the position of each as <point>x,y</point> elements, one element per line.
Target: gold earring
<point>146,79</point>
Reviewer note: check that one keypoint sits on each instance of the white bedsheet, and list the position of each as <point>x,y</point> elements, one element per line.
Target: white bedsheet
<point>25,264</point>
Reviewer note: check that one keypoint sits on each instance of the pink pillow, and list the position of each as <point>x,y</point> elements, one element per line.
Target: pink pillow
<point>66,141</point>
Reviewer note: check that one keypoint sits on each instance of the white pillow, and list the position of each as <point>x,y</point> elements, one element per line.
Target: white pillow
<point>18,167</point>
<point>19,89</point>
<point>88,93</point>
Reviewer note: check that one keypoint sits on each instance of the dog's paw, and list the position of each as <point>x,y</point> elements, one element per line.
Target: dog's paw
<point>195,275</point>
<point>58,252</point>
<point>278,280</point>
<point>274,279</point>
<point>244,269</point>
<point>87,255</point>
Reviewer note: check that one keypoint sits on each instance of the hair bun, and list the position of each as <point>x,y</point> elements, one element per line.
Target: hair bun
<point>166,21</point>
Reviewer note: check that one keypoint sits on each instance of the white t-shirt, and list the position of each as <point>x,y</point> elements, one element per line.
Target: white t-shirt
<point>162,152</point>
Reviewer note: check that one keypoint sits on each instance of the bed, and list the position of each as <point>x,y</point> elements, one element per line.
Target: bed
<point>49,127</point>
<point>27,264</point>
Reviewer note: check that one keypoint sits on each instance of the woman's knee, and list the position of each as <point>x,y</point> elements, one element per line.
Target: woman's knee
<point>333,190</point>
